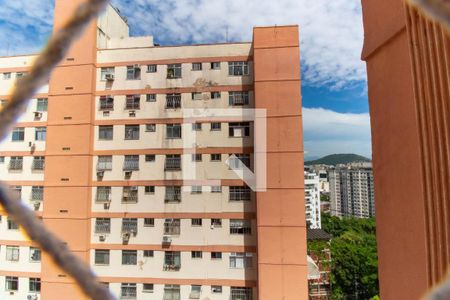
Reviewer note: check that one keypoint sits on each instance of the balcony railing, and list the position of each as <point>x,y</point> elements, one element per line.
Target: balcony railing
<point>103,196</point>
<point>173,101</point>
<point>173,164</point>
<point>172,267</point>
<point>128,293</point>
<point>16,164</point>
<point>240,194</point>
<point>173,196</point>
<point>102,228</point>
<point>172,229</point>
<point>131,165</point>
<point>37,194</point>
<point>130,197</point>
<point>129,227</point>
<point>104,165</point>
<point>38,164</point>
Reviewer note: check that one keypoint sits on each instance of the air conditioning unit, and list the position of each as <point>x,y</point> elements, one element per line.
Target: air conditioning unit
<point>36,205</point>
<point>125,237</point>
<point>100,173</point>
<point>109,77</point>
<point>106,205</point>
<point>167,239</point>
<point>216,290</point>
<point>132,113</point>
<point>102,238</point>
<point>32,297</point>
<point>37,115</point>
<point>133,232</point>
<point>128,174</point>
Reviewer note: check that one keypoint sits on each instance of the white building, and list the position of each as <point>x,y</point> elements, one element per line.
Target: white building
<point>312,200</point>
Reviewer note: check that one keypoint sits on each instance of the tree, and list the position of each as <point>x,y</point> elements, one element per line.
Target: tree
<point>354,267</point>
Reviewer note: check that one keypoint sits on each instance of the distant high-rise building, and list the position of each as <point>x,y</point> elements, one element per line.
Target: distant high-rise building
<point>352,192</point>
<point>312,200</point>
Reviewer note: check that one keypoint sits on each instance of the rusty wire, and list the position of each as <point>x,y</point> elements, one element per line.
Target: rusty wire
<point>24,90</point>
<point>438,10</point>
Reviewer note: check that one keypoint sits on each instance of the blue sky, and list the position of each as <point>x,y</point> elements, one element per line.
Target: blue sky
<point>334,88</point>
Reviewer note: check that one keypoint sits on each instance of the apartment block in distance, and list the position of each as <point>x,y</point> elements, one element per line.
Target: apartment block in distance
<point>100,156</point>
<point>312,200</point>
<point>352,192</point>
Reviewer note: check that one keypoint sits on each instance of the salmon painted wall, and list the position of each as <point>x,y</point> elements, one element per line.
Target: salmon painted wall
<point>282,271</point>
<point>68,160</point>
<point>409,172</point>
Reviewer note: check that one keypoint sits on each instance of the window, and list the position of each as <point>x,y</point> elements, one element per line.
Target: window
<point>150,158</point>
<point>241,260</point>
<point>12,253</point>
<point>174,71</point>
<point>150,97</point>
<point>129,257</point>
<point>147,287</point>
<point>238,68</point>
<point>238,98</point>
<point>195,292</point>
<point>172,226</point>
<point>133,72</point>
<point>171,292</point>
<point>130,194</point>
<point>102,225</point>
<point>172,260</point>
<point>129,225</point>
<point>216,126</point>
<point>150,127</point>
<point>196,157</point>
<point>20,74</point>
<point>18,134</point>
<point>196,66</point>
<point>216,157</point>
<point>216,189</point>
<point>102,257</point>
<point>16,163</point>
<point>239,129</point>
<point>152,68</point>
<point>216,222</point>
<point>11,283</point>
<point>131,132</point>
<point>40,133</point>
<point>215,95</point>
<point>34,285</point>
<point>173,194</point>
<point>38,163</point>
<point>17,189</point>
<point>42,104</point>
<point>173,100</point>
<point>196,96</point>
<point>2,159</point>
<point>106,73</point>
<point>196,126</point>
<point>148,253</point>
<point>173,131</point>
<point>216,255</point>
<point>149,222</point>
<point>240,193</point>
<point>241,293</point>
<point>215,65</point>
<point>103,194</point>
<point>128,291</point>
<point>240,226</point>
<point>173,162</point>
<point>131,163</point>
<point>106,103</point>
<point>37,193</point>
<point>6,76</point>
<point>35,254</point>
<point>150,189</point>
<point>196,254</point>
<point>239,160</point>
<point>104,163</point>
<point>133,102</point>
<point>196,222</point>
<point>105,132</point>
<point>196,189</point>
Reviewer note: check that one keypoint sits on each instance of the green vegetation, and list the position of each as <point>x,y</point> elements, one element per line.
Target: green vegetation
<point>354,266</point>
<point>335,159</point>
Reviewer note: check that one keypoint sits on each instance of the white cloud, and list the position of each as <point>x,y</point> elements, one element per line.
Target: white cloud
<point>328,132</point>
<point>331,31</point>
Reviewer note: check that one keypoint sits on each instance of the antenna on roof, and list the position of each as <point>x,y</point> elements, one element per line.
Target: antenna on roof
<point>226,33</point>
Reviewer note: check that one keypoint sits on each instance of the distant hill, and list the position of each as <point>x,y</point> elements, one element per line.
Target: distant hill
<point>335,159</point>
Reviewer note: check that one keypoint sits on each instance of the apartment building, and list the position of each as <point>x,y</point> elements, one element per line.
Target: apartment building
<point>312,200</point>
<point>352,192</point>
<point>101,155</point>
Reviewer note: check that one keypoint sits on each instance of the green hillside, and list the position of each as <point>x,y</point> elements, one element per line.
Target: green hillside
<point>335,159</point>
